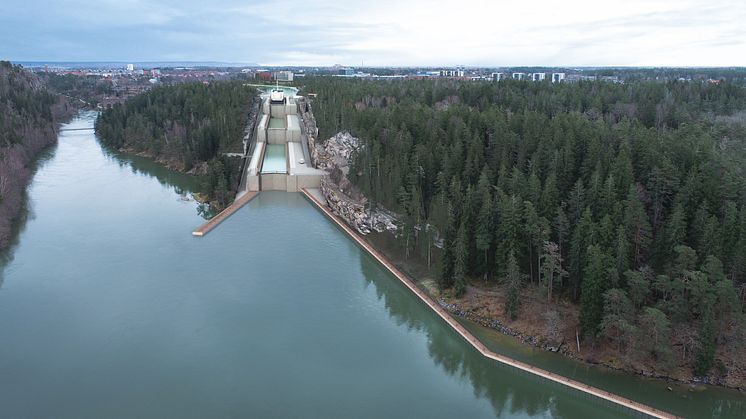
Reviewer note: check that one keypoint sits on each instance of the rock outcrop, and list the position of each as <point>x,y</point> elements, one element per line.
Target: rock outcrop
<point>344,199</point>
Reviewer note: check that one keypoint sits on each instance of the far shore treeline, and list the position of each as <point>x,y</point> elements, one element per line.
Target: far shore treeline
<point>28,115</point>
<point>188,127</point>
<point>628,200</point>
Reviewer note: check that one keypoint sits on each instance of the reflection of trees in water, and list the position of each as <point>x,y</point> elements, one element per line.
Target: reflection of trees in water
<point>180,182</point>
<point>26,213</point>
<point>510,391</point>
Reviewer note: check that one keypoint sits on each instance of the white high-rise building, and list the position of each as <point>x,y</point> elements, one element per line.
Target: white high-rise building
<point>558,77</point>
<point>538,76</point>
<point>519,76</point>
<point>498,76</point>
<point>130,67</point>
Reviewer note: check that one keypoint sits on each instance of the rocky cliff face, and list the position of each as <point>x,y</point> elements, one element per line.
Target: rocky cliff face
<point>334,156</point>
<point>307,118</point>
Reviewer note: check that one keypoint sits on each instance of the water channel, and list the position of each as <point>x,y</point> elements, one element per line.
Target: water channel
<point>110,308</point>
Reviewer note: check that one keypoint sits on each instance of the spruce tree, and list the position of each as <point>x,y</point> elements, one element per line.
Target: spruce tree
<point>461,256</point>
<point>705,356</point>
<point>582,237</point>
<point>638,228</point>
<point>595,283</point>
<point>513,287</point>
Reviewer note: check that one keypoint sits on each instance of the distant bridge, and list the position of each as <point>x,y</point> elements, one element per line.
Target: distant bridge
<point>77,129</point>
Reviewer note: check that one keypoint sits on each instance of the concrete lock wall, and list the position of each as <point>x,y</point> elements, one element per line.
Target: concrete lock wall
<point>292,136</point>
<point>293,131</point>
<point>278,110</point>
<point>292,183</point>
<point>252,183</point>
<point>265,106</point>
<point>274,182</point>
<point>276,136</point>
<point>261,129</point>
<point>308,181</point>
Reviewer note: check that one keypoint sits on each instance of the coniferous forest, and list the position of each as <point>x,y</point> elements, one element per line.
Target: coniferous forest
<point>188,127</point>
<point>627,200</point>
<point>28,113</point>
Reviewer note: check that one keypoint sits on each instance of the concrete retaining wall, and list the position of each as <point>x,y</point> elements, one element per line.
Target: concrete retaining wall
<point>292,183</point>
<point>252,183</point>
<point>261,129</point>
<point>308,181</point>
<point>293,131</point>
<point>274,182</point>
<point>276,136</point>
<point>278,111</point>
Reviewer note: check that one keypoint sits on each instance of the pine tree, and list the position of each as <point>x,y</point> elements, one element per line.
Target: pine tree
<point>617,323</point>
<point>551,267</point>
<point>638,284</point>
<point>654,334</point>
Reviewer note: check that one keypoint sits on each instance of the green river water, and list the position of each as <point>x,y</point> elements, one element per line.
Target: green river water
<point>110,308</point>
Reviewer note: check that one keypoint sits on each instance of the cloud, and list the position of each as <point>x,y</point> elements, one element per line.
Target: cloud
<point>385,32</point>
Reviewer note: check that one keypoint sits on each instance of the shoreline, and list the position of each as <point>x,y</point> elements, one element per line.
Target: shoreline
<point>532,341</point>
<point>469,337</point>
<point>11,224</point>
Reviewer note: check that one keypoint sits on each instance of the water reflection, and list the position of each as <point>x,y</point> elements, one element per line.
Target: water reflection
<point>26,212</point>
<point>180,183</point>
<point>510,392</point>
<point>527,393</point>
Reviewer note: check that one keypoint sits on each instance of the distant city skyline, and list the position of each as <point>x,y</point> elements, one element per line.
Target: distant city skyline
<point>572,33</point>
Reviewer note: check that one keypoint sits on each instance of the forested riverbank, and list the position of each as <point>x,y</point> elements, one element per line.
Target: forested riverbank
<point>613,210</point>
<point>187,127</point>
<point>29,114</point>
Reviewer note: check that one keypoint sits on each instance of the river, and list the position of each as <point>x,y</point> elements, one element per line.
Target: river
<point>110,308</point>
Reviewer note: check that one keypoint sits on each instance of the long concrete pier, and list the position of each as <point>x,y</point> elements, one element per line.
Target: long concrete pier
<point>473,341</point>
<point>222,215</point>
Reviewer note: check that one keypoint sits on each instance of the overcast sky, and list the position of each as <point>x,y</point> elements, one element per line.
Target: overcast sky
<point>379,32</point>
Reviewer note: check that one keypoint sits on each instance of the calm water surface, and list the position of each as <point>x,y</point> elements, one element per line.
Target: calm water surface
<point>110,308</point>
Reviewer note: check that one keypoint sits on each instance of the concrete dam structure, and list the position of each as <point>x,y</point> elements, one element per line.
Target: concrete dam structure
<point>277,155</point>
